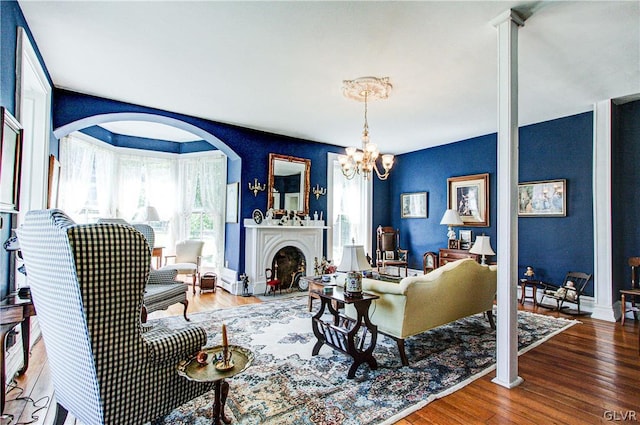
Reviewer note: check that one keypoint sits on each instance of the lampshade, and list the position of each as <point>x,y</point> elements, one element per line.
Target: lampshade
<point>146,214</point>
<point>451,218</point>
<point>353,259</point>
<point>482,246</point>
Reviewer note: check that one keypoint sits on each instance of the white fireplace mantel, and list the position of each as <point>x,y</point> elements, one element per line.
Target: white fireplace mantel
<point>264,241</point>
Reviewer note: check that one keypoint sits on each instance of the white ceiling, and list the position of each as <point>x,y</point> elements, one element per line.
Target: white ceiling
<point>279,66</point>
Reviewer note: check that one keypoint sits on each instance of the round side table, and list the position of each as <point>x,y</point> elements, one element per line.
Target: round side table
<point>194,371</point>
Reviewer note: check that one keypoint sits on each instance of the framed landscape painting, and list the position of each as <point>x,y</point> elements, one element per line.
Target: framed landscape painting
<point>414,205</point>
<point>542,198</point>
<point>469,195</point>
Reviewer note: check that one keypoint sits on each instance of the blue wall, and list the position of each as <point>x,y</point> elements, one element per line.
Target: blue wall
<point>555,149</point>
<point>625,193</point>
<point>11,18</point>
<point>559,149</point>
<point>427,171</point>
<point>250,146</point>
<point>124,141</point>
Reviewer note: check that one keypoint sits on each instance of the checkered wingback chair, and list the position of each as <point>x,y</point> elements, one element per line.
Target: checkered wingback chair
<point>162,290</point>
<point>87,284</point>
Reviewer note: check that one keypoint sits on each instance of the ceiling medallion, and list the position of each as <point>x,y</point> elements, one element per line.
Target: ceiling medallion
<point>363,161</point>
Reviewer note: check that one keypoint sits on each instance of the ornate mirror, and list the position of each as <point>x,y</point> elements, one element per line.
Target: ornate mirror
<point>288,184</point>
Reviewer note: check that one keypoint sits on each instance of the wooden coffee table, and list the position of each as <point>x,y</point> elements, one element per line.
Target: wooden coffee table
<point>340,331</point>
<point>194,371</point>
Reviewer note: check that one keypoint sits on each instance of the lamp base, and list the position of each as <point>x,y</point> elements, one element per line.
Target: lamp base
<point>353,285</point>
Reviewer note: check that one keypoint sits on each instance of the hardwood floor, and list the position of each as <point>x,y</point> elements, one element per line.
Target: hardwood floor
<point>588,374</point>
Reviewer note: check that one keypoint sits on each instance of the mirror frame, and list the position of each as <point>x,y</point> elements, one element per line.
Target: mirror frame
<point>273,157</point>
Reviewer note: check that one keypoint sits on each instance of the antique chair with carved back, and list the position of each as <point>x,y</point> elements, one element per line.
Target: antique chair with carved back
<point>388,251</point>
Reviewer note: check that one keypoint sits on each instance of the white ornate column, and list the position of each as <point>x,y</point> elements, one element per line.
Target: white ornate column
<point>602,235</point>
<point>507,187</point>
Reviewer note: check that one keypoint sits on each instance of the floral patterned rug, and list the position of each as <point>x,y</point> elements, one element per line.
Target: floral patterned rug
<point>286,385</point>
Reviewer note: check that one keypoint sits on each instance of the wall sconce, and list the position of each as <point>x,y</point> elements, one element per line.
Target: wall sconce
<point>256,187</point>
<point>319,191</point>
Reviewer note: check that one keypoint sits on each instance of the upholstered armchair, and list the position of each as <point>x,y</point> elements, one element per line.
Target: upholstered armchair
<point>187,259</point>
<point>162,290</point>
<point>87,283</point>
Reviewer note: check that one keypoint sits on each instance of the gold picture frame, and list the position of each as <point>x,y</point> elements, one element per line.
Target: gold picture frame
<point>469,195</point>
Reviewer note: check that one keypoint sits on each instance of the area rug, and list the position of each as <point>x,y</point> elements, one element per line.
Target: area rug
<point>286,294</point>
<point>286,385</point>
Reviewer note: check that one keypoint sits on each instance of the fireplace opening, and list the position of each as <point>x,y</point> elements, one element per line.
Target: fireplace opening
<point>288,261</point>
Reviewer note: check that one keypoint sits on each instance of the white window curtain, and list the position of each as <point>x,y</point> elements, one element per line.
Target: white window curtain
<point>189,174</point>
<point>87,180</point>
<point>349,211</point>
<point>115,182</point>
<point>203,203</point>
<point>104,163</point>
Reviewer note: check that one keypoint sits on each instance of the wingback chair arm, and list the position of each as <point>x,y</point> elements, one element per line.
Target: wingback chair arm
<point>162,277</point>
<point>168,345</point>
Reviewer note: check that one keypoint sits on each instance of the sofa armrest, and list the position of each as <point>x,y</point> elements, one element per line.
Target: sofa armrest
<point>167,345</point>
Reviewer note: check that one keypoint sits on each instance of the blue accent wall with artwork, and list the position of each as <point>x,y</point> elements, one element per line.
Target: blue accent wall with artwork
<point>553,246</point>
<point>558,149</point>
<point>427,170</point>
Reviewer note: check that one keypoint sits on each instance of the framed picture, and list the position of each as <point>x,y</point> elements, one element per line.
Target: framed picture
<point>469,195</point>
<point>414,205</point>
<point>546,198</point>
<point>465,239</point>
<point>11,141</point>
<point>232,202</point>
<point>54,182</point>
<point>454,244</point>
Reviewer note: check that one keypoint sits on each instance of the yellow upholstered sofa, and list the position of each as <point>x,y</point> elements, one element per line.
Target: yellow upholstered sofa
<point>419,303</point>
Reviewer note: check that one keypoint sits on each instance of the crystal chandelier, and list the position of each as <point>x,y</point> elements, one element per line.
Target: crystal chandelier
<point>363,161</point>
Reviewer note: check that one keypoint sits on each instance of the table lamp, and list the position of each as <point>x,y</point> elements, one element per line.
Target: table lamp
<point>451,218</point>
<point>146,215</point>
<point>482,246</point>
<point>354,261</point>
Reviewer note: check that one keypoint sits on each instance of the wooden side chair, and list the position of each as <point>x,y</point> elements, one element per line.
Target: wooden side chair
<point>388,252</point>
<point>570,291</point>
<point>273,283</point>
<point>633,293</point>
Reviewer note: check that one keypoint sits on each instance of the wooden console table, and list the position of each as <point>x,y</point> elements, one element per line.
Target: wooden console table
<point>340,333</point>
<point>14,311</point>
